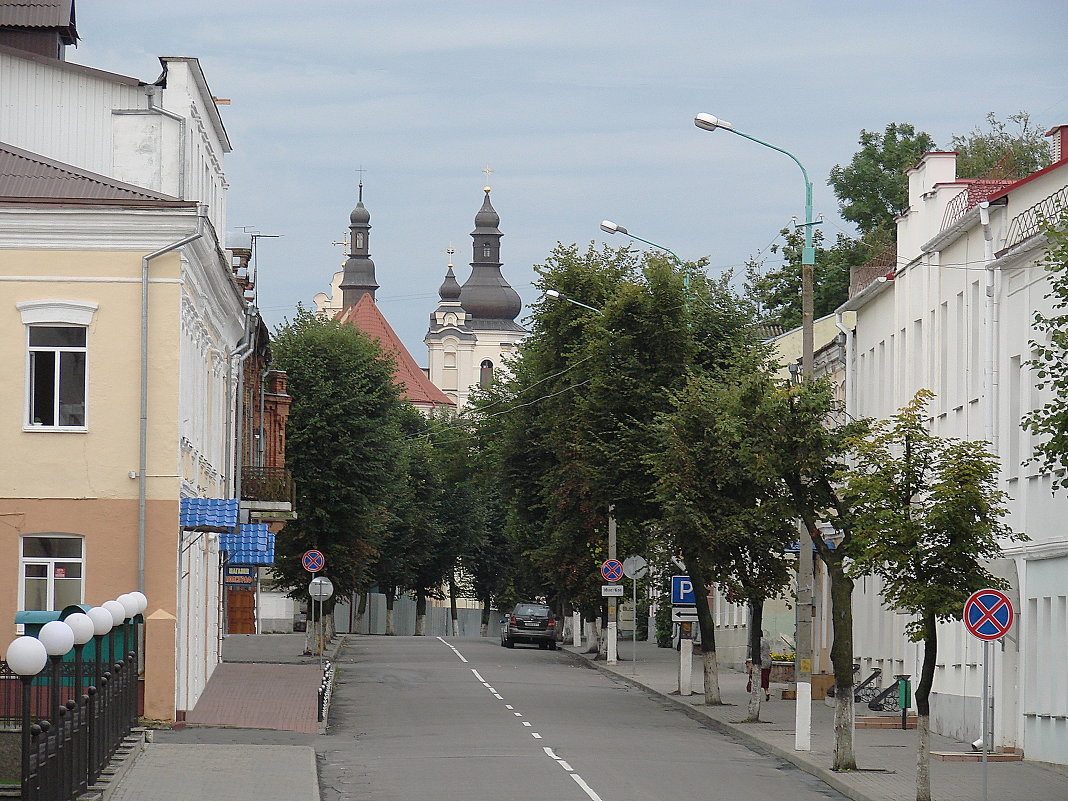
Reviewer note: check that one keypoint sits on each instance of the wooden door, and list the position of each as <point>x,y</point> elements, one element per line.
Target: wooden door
<point>240,612</point>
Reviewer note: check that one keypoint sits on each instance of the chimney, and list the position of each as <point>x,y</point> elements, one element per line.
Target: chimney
<point>1060,142</point>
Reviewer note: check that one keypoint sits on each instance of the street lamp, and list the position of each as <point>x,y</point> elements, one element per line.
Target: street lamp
<point>614,228</point>
<point>555,295</point>
<point>57,638</point>
<point>27,657</point>
<point>803,717</point>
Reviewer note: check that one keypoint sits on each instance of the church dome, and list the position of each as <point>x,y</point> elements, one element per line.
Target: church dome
<point>360,215</point>
<point>450,287</point>
<point>487,219</point>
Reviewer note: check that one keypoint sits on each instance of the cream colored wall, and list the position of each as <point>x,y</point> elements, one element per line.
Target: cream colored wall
<point>788,345</point>
<point>95,463</point>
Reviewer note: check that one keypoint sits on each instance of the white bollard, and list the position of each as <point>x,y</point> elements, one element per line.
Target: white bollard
<point>576,629</point>
<point>612,659</point>
<point>685,666</point>
<point>803,718</point>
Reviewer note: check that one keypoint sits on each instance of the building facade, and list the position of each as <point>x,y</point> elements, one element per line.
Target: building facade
<point>955,315</point>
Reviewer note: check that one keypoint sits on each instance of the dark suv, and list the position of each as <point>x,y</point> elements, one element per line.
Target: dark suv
<point>532,623</point>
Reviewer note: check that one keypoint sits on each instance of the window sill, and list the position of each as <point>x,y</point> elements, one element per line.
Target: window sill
<point>57,429</point>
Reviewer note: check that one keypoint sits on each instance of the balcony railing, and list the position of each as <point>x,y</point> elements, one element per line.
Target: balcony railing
<point>271,484</point>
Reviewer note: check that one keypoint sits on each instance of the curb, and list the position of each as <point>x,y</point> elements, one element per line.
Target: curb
<point>827,776</point>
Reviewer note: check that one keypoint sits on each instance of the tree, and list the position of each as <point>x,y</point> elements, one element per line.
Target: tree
<point>926,515</point>
<point>1049,422</point>
<point>999,152</point>
<point>803,440</point>
<point>341,445</point>
<point>729,519</point>
<point>873,189</point>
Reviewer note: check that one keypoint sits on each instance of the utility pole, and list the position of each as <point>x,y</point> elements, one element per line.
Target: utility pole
<point>612,601</point>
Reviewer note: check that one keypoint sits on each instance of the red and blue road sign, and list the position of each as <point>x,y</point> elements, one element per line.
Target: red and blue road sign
<point>612,570</point>
<point>313,561</point>
<point>988,614</point>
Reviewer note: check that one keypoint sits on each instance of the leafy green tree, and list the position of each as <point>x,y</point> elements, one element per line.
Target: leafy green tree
<point>341,444</point>
<point>1000,152</point>
<point>730,520</point>
<point>1049,422</point>
<point>802,438</point>
<point>927,513</point>
<point>873,188</point>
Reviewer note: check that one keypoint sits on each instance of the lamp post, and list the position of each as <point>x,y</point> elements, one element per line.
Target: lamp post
<point>552,293</point>
<point>27,657</point>
<point>82,626</point>
<point>805,609</point>
<point>58,638</point>
<point>615,228</point>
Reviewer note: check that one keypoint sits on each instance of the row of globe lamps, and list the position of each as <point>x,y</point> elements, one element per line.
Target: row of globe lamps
<point>27,656</point>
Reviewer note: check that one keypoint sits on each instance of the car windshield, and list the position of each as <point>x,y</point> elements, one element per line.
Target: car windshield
<point>531,610</point>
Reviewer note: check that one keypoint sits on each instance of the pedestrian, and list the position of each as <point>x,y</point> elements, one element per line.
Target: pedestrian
<point>765,665</point>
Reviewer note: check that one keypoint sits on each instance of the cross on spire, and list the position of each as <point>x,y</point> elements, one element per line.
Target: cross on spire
<point>488,171</point>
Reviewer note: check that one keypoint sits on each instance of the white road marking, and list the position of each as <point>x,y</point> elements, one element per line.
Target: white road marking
<point>548,751</point>
<point>589,790</point>
<point>498,696</point>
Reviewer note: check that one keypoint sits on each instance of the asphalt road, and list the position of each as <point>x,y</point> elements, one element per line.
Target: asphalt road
<point>418,718</point>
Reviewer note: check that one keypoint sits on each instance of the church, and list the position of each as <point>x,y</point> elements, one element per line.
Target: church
<point>472,331</point>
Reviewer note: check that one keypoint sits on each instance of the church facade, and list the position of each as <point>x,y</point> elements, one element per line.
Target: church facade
<point>473,331</point>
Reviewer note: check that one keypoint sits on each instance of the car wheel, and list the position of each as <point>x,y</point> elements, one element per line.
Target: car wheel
<point>502,642</point>
<point>543,645</point>
<point>509,644</point>
<point>552,645</point>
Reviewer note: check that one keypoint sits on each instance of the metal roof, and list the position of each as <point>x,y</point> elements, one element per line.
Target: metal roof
<point>252,544</point>
<point>210,514</point>
<point>37,13</point>
<point>30,176</point>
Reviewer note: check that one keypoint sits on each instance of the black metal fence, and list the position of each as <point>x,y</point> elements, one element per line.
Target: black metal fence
<point>73,716</point>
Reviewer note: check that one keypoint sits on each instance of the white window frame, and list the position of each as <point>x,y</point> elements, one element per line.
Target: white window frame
<point>56,314</point>
<point>51,562</point>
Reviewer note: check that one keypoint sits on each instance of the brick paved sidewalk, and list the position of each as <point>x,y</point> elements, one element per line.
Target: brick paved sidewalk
<point>260,696</point>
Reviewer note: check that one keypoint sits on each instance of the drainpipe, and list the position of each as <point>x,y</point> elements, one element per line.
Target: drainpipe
<point>142,460</point>
<point>849,377</point>
<point>234,445</point>
<point>993,289</point>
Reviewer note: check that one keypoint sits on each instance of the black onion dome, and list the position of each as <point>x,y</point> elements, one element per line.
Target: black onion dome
<point>360,215</point>
<point>487,219</point>
<point>450,287</point>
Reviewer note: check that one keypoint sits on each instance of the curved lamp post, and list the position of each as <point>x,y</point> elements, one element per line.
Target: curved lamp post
<point>803,717</point>
<point>82,626</point>
<point>118,615</point>
<point>27,657</point>
<point>555,295</point>
<point>102,623</point>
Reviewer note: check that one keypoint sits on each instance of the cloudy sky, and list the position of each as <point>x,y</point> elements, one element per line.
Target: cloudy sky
<point>583,110</point>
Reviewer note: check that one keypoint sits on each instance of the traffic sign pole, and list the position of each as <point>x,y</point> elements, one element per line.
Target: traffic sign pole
<point>612,601</point>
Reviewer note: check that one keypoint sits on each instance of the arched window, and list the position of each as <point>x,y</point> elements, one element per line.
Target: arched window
<point>485,373</point>
<point>359,240</point>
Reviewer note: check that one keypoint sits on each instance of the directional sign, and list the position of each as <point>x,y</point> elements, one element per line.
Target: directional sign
<point>682,593</point>
<point>684,614</point>
<point>313,561</point>
<point>612,570</point>
<point>634,567</point>
<point>611,590</point>
<point>988,614</point>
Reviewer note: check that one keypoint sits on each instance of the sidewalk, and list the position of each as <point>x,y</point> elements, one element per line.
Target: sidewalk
<point>264,682</point>
<point>887,757</point>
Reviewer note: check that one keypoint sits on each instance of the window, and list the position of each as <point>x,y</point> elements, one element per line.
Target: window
<point>56,364</point>
<point>57,376</point>
<point>450,359</point>
<point>485,373</point>
<point>359,240</point>
<point>486,249</point>
<point>51,571</point>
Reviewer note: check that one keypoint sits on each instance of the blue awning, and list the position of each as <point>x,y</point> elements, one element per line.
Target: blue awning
<point>251,544</point>
<point>209,514</point>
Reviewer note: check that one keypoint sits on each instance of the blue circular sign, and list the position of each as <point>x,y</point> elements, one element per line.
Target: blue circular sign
<point>988,614</point>
<point>612,570</point>
<point>313,561</point>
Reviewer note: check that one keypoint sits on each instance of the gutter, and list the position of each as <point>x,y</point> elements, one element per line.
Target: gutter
<point>142,459</point>
<point>993,313</point>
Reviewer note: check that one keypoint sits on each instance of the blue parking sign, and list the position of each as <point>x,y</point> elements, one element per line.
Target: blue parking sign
<point>682,593</point>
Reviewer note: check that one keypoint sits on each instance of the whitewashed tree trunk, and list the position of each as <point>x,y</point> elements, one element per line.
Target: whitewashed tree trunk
<point>592,646</point>
<point>602,638</point>
<point>389,623</point>
<point>420,625</point>
<point>710,667</point>
<point>755,695</point>
<point>360,611</point>
<point>844,718</point>
<point>923,758</point>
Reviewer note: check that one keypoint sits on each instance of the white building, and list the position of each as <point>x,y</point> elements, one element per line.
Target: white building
<point>956,316</point>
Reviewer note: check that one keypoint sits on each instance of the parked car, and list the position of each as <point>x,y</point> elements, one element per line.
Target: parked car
<point>529,623</point>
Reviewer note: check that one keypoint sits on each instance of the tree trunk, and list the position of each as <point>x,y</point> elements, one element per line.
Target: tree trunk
<point>361,610</point>
<point>844,757</point>
<point>923,708</point>
<point>756,624</point>
<point>420,613</point>
<point>592,630</point>
<point>452,602</point>
<point>483,628</point>
<point>709,658</point>
<point>390,599</point>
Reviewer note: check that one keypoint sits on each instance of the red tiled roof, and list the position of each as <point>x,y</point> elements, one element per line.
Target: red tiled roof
<point>418,389</point>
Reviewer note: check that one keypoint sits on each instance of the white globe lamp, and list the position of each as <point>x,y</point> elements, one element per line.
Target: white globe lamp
<point>102,620</point>
<point>82,626</point>
<point>118,612</point>
<point>26,656</point>
<point>57,637</point>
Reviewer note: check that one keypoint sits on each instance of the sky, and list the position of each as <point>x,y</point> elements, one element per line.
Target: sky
<point>583,111</point>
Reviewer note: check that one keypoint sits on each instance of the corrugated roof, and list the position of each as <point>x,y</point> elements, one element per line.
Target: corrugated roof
<point>418,389</point>
<point>252,544</point>
<point>27,175</point>
<point>36,13</point>
<point>209,514</point>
